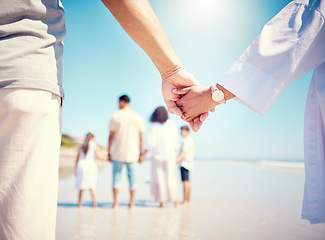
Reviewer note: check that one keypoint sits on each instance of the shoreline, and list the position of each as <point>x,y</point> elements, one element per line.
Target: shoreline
<point>229,201</point>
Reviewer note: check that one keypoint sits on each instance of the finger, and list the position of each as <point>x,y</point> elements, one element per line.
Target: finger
<point>185,117</point>
<point>197,124</point>
<point>173,109</point>
<point>192,125</point>
<point>204,116</point>
<point>181,91</point>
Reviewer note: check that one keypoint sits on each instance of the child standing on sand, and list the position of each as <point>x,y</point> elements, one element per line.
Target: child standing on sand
<point>185,159</point>
<point>86,167</point>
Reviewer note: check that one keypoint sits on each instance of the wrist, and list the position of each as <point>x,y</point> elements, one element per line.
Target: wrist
<point>209,102</point>
<point>228,95</point>
<point>170,71</point>
<point>219,94</point>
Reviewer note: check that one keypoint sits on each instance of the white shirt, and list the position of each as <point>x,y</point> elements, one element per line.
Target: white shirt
<point>127,126</point>
<point>188,148</point>
<point>290,45</point>
<point>162,141</point>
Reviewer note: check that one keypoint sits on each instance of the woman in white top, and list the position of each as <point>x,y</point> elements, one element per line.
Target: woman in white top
<point>162,143</point>
<point>86,167</point>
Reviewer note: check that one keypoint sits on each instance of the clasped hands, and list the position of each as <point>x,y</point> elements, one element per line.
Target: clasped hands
<point>185,97</point>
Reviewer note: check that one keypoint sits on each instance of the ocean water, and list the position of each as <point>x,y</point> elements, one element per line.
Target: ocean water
<point>296,165</point>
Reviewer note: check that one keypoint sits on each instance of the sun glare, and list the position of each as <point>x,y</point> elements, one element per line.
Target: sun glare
<point>207,8</point>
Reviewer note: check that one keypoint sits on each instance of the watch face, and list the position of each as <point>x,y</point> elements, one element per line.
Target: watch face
<point>218,96</point>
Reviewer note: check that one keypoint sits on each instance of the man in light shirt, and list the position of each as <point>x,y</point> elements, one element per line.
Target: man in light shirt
<point>124,145</point>
<point>185,159</point>
<point>31,100</point>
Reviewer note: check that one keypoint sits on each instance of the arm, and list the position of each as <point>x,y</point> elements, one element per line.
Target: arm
<point>140,22</point>
<point>142,155</point>
<point>140,145</point>
<point>181,156</point>
<point>98,155</point>
<point>290,45</point>
<point>110,141</point>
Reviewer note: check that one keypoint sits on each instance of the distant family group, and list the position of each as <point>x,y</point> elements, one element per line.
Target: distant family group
<point>125,148</point>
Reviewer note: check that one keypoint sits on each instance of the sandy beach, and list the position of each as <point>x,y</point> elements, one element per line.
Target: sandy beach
<point>230,200</point>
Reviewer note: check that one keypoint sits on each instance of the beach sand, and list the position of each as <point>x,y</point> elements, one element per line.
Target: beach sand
<point>230,200</point>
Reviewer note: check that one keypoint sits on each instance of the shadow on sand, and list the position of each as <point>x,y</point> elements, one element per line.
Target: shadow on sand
<point>138,203</point>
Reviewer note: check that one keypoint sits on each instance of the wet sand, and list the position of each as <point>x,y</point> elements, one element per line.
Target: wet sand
<point>230,200</point>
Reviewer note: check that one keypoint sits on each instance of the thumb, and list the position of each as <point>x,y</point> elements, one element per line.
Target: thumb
<point>181,91</point>
<point>173,109</point>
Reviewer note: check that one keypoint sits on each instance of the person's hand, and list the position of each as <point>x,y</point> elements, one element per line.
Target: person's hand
<point>141,157</point>
<point>179,78</point>
<point>195,103</point>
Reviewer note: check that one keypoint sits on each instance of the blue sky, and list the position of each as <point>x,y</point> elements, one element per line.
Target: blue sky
<point>101,62</point>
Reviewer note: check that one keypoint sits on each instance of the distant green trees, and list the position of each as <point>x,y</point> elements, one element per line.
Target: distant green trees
<point>68,141</point>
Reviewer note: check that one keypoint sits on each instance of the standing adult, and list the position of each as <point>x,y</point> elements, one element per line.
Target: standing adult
<point>124,146</point>
<point>31,93</point>
<point>289,46</point>
<point>162,143</point>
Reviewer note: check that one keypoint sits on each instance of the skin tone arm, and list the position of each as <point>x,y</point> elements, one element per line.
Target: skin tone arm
<point>140,156</point>
<point>98,155</point>
<point>197,100</point>
<point>110,141</point>
<point>140,22</point>
<point>180,156</point>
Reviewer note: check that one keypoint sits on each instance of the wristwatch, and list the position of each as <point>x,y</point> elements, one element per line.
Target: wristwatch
<point>217,94</point>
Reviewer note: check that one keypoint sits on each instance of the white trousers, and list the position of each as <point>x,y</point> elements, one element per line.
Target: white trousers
<point>163,180</point>
<point>30,135</point>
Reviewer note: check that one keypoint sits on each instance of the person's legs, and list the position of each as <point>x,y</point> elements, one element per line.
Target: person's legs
<point>93,195</point>
<point>131,177</point>
<point>172,188</point>
<point>30,135</point>
<point>186,184</point>
<point>158,186</point>
<point>187,191</point>
<point>117,172</point>
<point>79,198</point>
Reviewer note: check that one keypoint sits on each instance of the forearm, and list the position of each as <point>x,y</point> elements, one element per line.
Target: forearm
<point>144,152</point>
<point>110,141</point>
<point>140,22</point>
<point>180,156</point>
<point>98,154</point>
<point>140,142</point>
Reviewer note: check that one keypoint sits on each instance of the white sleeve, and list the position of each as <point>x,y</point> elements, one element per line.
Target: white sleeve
<point>289,46</point>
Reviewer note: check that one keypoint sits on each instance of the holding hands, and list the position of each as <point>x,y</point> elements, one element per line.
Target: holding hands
<point>185,97</point>
<point>175,85</point>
